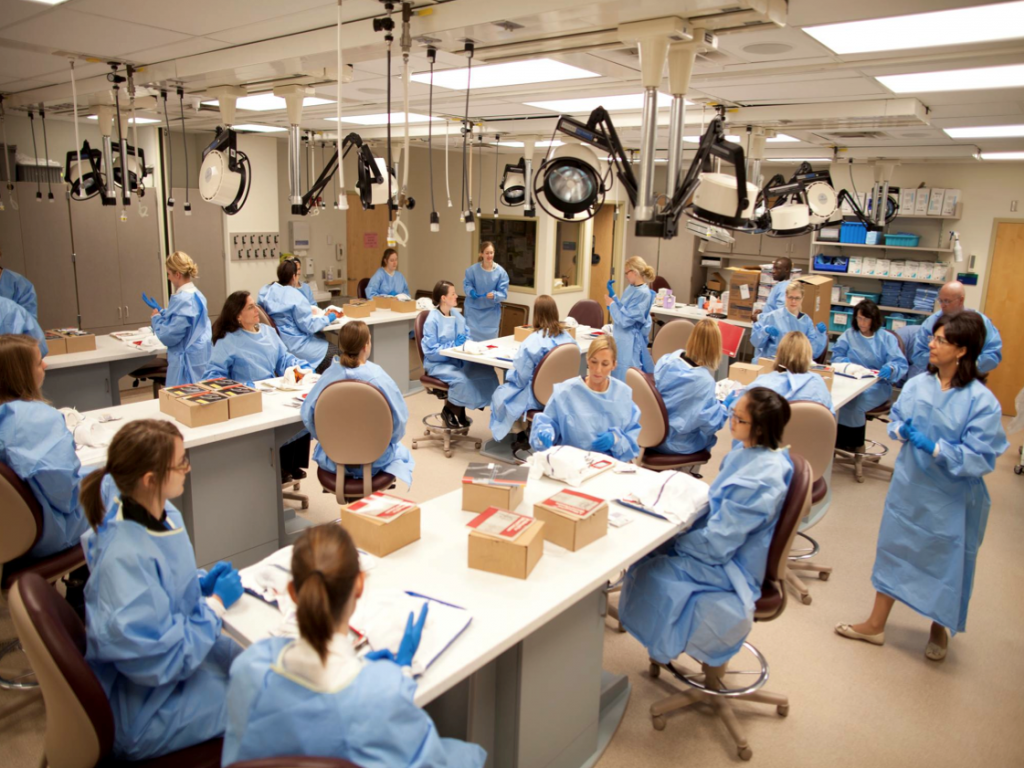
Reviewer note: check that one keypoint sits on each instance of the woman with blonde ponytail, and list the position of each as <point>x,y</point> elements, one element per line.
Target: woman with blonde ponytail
<point>316,696</point>
<point>184,327</point>
<point>631,316</point>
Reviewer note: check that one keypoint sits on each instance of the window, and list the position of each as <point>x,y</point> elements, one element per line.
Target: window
<point>568,256</point>
<point>515,247</point>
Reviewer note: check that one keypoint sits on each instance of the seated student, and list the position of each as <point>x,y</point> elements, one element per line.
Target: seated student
<point>352,364</point>
<point>18,289</point>
<point>303,287</point>
<point>293,316</point>
<point>772,326</point>
<point>792,377</point>
<point>387,280</point>
<point>248,352</point>
<point>696,593</point>
<point>596,413</point>
<point>515,397</point>
<point>15,320</point>
<point>868,345</point>
<point>316,696</point>
<point>470,385</point>
<point>184,327</point>
<point>686,384</point>
<point>153,621</point>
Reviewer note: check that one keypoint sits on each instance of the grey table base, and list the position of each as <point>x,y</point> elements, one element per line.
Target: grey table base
<point>390,351</point>
<point>88,387</point>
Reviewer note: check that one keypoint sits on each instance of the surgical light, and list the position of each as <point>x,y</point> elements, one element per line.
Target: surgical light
<point>568,185</point>
<point>631,102</point>
<point>226,174</point>
<point>513,184</point>
<point>268,102</point>
<point>506,74</point>
<point>980,78</point>
<point>382,119</point>
<point>986,132</point>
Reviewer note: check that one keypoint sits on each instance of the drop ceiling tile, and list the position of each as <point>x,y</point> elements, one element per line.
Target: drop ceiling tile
<point>13,11</point>
<point>66,29</point>
<point>303,19</point>
<point>817,89</point>
<point>771,46</point>
<point>188,47</point>
<point>16,86</point>
<point>16,63</point>
<point>943,114</point>
<point>804,13</point>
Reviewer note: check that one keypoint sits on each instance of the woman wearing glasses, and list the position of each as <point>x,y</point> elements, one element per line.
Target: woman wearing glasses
<point>937,505</point>
<point>631,318</point>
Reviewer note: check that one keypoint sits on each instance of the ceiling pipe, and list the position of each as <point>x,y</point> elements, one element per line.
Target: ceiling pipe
<point>293,96</point>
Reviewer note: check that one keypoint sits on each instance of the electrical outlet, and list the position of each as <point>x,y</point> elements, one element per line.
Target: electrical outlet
<point>340,255</point>
<point>1013,206</point>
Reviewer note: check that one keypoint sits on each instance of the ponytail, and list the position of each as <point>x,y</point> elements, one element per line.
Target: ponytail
<point>642,268</point>
<point>90,496</point>
<point>314,613</point>
<point>325,567</point>
<point>352,340</point>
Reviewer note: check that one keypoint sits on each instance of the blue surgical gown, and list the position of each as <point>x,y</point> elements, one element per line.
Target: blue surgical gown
<point>785,321</point>
<point>152,640</point>
<point>383,284</point>
<point>396,460</point>
<point>696,593</point>
<point>184,328</point>
<point>795,386</point>
<point>15,319</point>
<point>631,318</point>
<point>694,413</point>
<point>306,291</point>
<point>776,297</point>
<point>39,448</point>
<point>469,384</point>
<point>372,721</point>
<point>575,415</point>
<point>937,507</point>
<point>18,289</point>
<point>293,316</point>
<point>991,353</point>
<point>515,397</point>
<point>251,356</point>
<point>484,315</point>
<point>908,333</point>
<point>881,349</point>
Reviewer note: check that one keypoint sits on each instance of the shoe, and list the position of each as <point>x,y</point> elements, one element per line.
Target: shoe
<point>451,421</point>
<point>847,631</point>
<point>464,421</point>
<point>935,652</point>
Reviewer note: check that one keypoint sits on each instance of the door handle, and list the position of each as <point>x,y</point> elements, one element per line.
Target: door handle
<point>126,313</point>
<point>119,312</point>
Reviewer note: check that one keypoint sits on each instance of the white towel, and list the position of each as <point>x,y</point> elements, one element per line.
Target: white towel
<point>854,370</point>
<point>92,434</point>
<point>567,464</point>
<point>677,496</point>
<point>424,303</point>
<point>403,297</point>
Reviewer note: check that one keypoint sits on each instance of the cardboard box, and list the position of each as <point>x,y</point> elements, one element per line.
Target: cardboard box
<point>477,497</point>
<point>359,308</point>
<point>382,523</point>
<point>870,265</point>
<point>56,343</point>
<point>522,332</point>
<point>74,340</point>
<point>912,269</point>
<point>826,373</point>
<point>169,394</point>
<point>922,196</point>
<point>817,297</point>
<point>882,267</point>
<point>936,201</point>
<point>745,373</point>
<point>716,282</point>
<point>405,307</point>
<point>381,302</point>
<point>897,268</point>
<point>743,284</point>
<point>198,410</point>
<point>855,265</point>
<point>242,401</point>
<point>572,519</point>
<point>907,201</point>
<point>515,558</point>
<point>950,201</point>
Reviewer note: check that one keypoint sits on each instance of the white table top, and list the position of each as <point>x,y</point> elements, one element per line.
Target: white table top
<point>376,317</point>
<point>693,313</point>
<point>844,389</point>
<point>505,610</point>
<point>507,348</point>
<point>107,350</point>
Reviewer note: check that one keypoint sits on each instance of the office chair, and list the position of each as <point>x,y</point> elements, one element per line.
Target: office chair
<point>361,288</point>
<point>671,337</point>
<point>588,312</point>
<point>559,364</point>
<point>654,428</point>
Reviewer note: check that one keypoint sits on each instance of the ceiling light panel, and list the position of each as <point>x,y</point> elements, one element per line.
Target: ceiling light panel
<point>268,102</point>
<point>959,26</point>
<point>253,128</point>
<point>139,120</point>
<point>632,102</point>
<point>798,159</point>
<point>501,75</point>
<point>382,118</point>
<point>986,132</point>
<point>1002,155</point>
<point>545,143</point>
<point>979,79</point>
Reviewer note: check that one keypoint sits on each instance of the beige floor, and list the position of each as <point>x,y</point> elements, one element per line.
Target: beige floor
<point>851,704</point>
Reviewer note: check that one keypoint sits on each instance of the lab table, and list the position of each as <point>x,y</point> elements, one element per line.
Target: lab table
<point>389,332</point>
<point>525,679</point>
<point>88,380</point>
<point>695,315</point>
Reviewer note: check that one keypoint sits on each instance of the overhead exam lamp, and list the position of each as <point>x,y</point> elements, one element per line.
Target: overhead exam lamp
<point>513,184</point>
<point>369,183</point>
<point>568,186</point>
<point>801,205</point>
<point>225,176</point>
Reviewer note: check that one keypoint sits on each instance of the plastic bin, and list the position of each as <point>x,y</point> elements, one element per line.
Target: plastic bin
<point>823,263</point>
<point>840,319</point>
<point>852,295</point>
<point>892,322</point>
<point>853,232</point>
<point>903,240</point>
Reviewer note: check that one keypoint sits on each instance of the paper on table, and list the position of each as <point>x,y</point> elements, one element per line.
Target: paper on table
<point>676,496</point>
<point>568,464</point>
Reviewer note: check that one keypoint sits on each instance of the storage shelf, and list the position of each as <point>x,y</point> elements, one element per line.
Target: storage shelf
<point>877,277</point>
<point>758,259</point>
<point>886,309</point>
<point>882,247</point>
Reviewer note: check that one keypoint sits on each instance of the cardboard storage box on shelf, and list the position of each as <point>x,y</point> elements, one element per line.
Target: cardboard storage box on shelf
<point>826,373</point>
<point>870,264</point>
<point>382,523</point>
<point>907,201</point>
<point>359,308</point>
<point>716,282</point>
<point>855,265</point>
<point>55,343</point>
<point>817,297</point>
<point>493,485</point>
<point>505,543</point>
<point>897,268</point>
<point>921,198</point>
<point>522,332</point>
<point>195,408</point>
<point>743,283</point>
<point>882,267</point>
<point>242,400</point>
<point>75,340</point>
<point>745,373</point>
<point>949,202</point>
<point>936,201</point>
<point>572,519</point>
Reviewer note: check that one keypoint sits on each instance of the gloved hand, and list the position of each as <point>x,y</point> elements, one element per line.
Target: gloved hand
<point>151,303</point>
<point>906,429</point>
<point>460,339</point>
<point>546,439</point>
<point>473,294</point>
<point>821,327</point>
<point>603,442</point>
<point>411,638</point>
<point>250,385</point>
<point>886,373</point>
<point>732,397</point>
<point>383,653</point>
<point>332,316</point>
<point>228,588</point>
<point>206,582</point>
<point>922,441</point>
<point>611,288</point>
<point>772,331</point>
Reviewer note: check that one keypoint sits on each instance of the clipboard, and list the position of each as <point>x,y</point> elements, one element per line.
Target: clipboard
<point>732,337</point>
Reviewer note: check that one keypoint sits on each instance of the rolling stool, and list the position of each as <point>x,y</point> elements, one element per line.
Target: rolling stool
<point>155,371</point>
<point>559,364</point>
<point>654,426</point>
<point>871,452</point>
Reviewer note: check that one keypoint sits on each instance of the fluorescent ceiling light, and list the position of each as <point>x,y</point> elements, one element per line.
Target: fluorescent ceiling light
<point>695,139</point>
<point>545,143</point>
<point>986,132</point>
<point>267,102</point>
<point>981,24</point>
<point>781,138</point>
<point>499,75</point>
<point>1002,155</point>
<point>48,2</point>
<point>253,128</point>
<point>397,118</point>
<point>630,101</point>
<point>798,159</point>
<point>139,120</point>
<point>982,78</point>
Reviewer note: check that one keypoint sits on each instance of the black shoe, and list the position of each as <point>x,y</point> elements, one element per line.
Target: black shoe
<point>464,421</point>
<point>451,421</point>
<point>298,474</point>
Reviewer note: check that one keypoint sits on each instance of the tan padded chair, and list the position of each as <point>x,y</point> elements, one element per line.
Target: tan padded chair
<point>265,318</point>
<point>21,520</point>
<point>709,685</point>
<point>296,761</point>
<point>353,425</point>
<point>671,337</point>
<point>434,426</point>
<point>654,428</point>
<point>79,722</point>
<point>811,432</point>
<point>559,364</point>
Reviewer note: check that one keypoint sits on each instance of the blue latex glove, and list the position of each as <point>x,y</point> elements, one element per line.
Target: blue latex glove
<point>150,302</point>
<point>411,638</point>
<point>603,442</point>
<point>772,331</point>
<point>906,429</point>
<point>546,439</point>
<point>732,397</point>
<point>923,442</point>
<point>886,373</point>
<point>460,339</point>
<point>611,288</point>
<point>384,653</point>
<point>332,316</point>
<point>206,582</point>
<point>473,294</point>
<point>821,327</point>
<point>250,384</point>
<point>228,588</point>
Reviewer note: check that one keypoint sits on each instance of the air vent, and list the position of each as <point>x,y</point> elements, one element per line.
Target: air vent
<point>508,26</point>
<point>859,135</point>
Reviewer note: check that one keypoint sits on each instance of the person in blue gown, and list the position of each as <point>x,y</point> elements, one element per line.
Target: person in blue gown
<point>352,364</point>
<point>867,344</point>
<point>951,302</point>
<point>772,326</point>
<point>470,385</point>
<point>595,414</point>
<point>515,397</point>
<point>18,289</point>
<point>38,447</point>
<point>631,318</point>
<point>184,327</point>
<point>696,593</point>
<point>153,620</point>
<point>792,377</point>
<point>14,319</point>
<point>685,382</point>
<point>292,314</point>
<point>909,333</point>
<point>387,280</point>
<point>937,506</point>
<point>782,268</point>
<point>486,286</point>
<point>314,695</point>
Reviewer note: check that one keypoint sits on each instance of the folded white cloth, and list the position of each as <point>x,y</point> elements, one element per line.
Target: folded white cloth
<point>608,328</point>
<point>570,322</point>
<point>151,342</point>
<point>677,496</point>
<point>568,464</point>
<point>726,387</point>
<point>92,434</point>
<point>269,579</point>
<point>72,418</point>
<point>403,297</point>
<point>854,370</point>
<point>475,348</point>
<point>424,303</point>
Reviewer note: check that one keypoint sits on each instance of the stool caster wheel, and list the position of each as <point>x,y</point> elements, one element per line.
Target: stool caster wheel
<point>426,433</point>
<point>478,444</point>
<point>305,505</point>
<point>745,753</point>
<point>824,575</point>
<point>655,670</point>
<point>783,710</point>
<point>658,722</point>
<point>805,599</point>
<point>447,454</point>
<point>860,479</point>
<point>414,445</point>
<point>620,629</point>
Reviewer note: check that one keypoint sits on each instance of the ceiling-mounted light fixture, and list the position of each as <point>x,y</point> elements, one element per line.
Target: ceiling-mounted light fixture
<point>506,74</point>
<point>435,220</point>
<point>226,174</point>
<point>568,185</point>
<point>268,102</point>
<point>513,184</point>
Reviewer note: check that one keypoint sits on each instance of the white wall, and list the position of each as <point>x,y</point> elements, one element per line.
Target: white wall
<point>261,213</point>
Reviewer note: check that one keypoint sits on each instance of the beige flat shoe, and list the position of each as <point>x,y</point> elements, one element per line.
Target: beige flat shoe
<point>848,631</point>
<point>935,652</point>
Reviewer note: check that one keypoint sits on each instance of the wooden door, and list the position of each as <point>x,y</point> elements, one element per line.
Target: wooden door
<point>142,268</point>
<point>366,238</point>
<point>94,234</point>
<point>604,246</point>
<point>1002,306</point>
<point>201,236</point>
<point>46,236</point>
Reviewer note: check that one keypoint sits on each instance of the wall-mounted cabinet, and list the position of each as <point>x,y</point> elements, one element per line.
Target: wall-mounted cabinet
<point>762,245</point>
<point>201,236</point>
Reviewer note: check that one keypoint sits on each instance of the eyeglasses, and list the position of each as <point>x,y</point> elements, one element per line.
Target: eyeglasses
<point>737,419</point>
<point>185,466</point>
<point>942,341</point>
